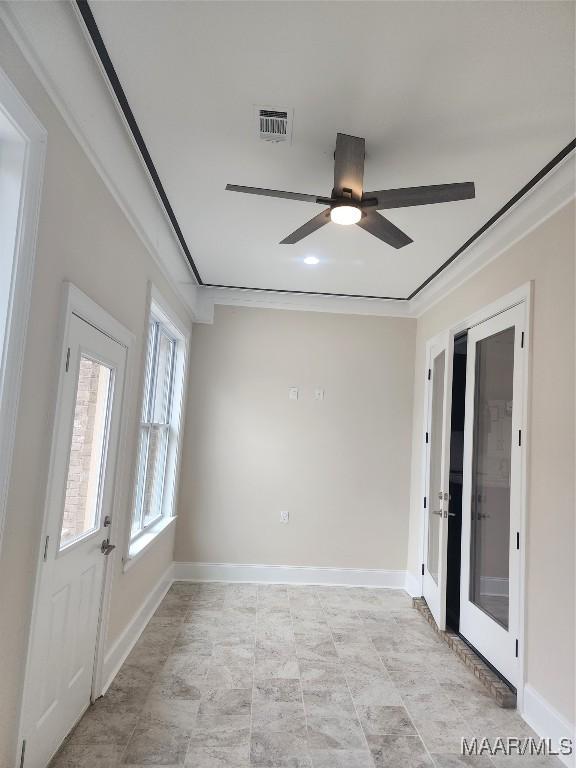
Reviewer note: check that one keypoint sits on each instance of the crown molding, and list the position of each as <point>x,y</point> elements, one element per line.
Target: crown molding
<point>71,77</point>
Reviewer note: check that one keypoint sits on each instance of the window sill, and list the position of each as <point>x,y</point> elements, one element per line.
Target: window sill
<point>139,546</point>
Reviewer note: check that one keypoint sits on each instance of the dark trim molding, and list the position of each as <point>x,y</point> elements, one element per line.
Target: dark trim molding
<point>103,55</point>
<point>106,61</point>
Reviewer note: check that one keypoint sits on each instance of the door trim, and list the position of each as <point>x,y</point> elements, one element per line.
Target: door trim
<point>523,294</point>
<point>75,302</point>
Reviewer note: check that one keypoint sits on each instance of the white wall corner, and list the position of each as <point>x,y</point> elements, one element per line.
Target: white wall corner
<point>116,655</point>
<point>549,724</point>
<point>289,574</point>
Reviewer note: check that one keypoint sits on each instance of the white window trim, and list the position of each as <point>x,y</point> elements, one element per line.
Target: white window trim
<point>159,308</point>
<point>21,253</point>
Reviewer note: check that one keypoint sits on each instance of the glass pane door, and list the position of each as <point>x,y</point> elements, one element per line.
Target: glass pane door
<point>491,459</point>
<point>87,451</point>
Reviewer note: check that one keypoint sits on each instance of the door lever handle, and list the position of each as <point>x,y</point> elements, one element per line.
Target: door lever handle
<point>106,547</point>
<point>439,512</point>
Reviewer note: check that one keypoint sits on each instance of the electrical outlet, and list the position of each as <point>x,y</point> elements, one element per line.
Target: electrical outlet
<point>319,393</point>
<point>284,516</point>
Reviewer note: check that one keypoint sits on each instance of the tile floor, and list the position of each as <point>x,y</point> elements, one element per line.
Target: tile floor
<point>239,676</point>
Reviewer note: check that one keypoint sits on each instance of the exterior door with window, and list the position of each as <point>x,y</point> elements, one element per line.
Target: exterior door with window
<point>68,604</point>
<point>491,500</point>
<point>439,397</point>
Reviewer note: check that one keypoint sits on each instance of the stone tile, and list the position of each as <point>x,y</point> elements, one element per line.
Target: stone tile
<point>443,735</point>
<point>310,650</point>
<point>275,665</point>
<point>226,702</point>
<point>278,750</point>
<point>172,713</point>
<point>105,724</point>
<point>396,751</point>
<point>218,757</point>
<point>157,744</point>
<point>382,720</point>
<point>334,733</point>
<point>341,758</point>
<point>277,690</point>
<point>88,756</point>
<point>462,761</point>
<point>279,718</point>
<point>322,674</point>
<point>328,703</point>
<point>374,689</point>
<point>230,674</point>
<point>222,732</point>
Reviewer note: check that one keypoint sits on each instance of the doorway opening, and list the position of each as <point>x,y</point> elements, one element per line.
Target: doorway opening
<point>456,479</point>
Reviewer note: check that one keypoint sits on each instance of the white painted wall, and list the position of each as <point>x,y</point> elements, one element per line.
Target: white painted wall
<point>85,238</point>
<point>339,466</point>
<point>545,256</point>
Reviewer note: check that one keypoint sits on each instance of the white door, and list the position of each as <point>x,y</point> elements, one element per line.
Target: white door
<point>64,631</point>
<point>439,401</point>
<point>491,497</point>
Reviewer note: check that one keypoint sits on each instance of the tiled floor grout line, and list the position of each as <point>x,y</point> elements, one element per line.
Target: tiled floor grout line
<point>253,678</point>
<point>405,707</point>
<point>349,689</point>
<point>299,677</point>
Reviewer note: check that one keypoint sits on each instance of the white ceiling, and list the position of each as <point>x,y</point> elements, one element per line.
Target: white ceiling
<point>442,92</point>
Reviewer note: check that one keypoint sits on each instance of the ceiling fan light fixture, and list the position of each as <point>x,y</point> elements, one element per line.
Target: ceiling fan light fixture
<point>345,214</point>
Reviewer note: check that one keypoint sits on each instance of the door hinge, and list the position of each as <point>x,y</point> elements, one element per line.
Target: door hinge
<point>429,373</point>
<point>517,539</point>
<point>22,753</point>
<point>422,569</point>
<point>67,359</point>
<point>516,647</point>
<point>46,548</point>
<point>522,340</point>
<point>520,437</point>
<point>426,437</point>
<point>424,502</point>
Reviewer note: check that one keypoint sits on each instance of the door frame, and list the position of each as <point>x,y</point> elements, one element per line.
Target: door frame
<point>76,302</point>
<point>522,294</point>
<point>444,341</point>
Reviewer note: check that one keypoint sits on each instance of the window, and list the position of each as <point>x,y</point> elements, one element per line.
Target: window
<point>159,429</point>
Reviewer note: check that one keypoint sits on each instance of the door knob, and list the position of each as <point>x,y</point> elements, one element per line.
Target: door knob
<point>106,547</point>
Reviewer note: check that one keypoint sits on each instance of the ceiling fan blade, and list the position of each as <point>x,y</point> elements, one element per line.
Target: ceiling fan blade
<point>380,227</point>
<point>348,166</point>
<point>435,193</point>
<point>272,193</point>
<point>307,229</point>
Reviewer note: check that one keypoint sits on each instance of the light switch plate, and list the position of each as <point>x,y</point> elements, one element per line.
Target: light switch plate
<point>284,516</point>
<point>319,393</point>
<point>293,393</point>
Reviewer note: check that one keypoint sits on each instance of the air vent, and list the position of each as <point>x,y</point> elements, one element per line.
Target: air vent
<point>274,124</point>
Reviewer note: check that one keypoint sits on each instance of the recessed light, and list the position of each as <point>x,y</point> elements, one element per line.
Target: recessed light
<point>311,260</point>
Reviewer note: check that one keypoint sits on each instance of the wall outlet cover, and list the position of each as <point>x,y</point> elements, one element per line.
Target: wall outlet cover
<point>284,516</point>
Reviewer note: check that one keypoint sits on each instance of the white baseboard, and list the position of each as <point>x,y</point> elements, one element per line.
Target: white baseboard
<point>120,649</point>
<point>290,574</point>
<point>413,584</point>
<point>548,723</point>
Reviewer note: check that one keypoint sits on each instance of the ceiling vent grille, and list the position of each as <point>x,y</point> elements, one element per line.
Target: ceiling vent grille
<point>273,124</point>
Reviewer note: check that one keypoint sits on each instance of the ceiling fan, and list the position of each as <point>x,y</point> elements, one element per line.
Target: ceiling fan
<point>349,204</point>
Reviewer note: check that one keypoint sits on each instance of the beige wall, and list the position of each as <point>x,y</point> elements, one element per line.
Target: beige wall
<point>545,256</point>
<point>84,238</point>
<point>339,466</point>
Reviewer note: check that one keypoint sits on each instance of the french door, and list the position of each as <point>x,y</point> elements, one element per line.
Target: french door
<point>491,499</point>
<point>65,623</point>
<point>439,399</point>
